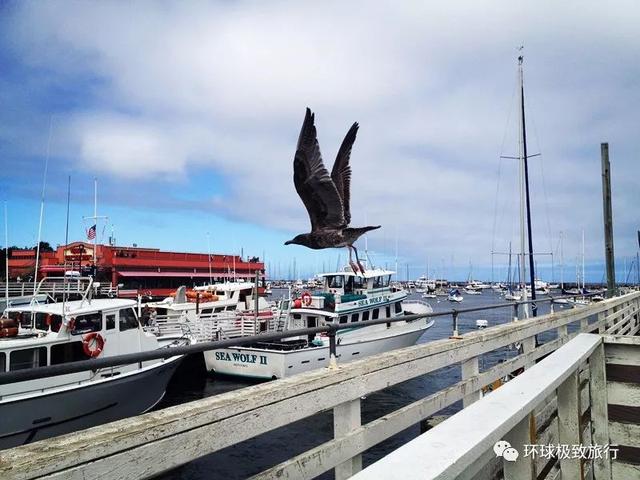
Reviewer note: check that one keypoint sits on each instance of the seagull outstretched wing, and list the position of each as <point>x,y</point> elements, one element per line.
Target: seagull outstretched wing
<point>341,171</point>
<point>313,183</point>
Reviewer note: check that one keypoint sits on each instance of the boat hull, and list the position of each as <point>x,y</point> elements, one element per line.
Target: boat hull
<point>271,364</point>
<point>29,419</point>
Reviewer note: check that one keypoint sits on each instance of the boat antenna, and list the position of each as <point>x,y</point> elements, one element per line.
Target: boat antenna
<point>6,256</point>
<point>209,256</point>
<point>44,184</point>
<point>66,243</point>
<point>532,275</point>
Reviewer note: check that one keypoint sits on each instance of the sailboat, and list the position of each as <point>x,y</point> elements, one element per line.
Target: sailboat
<point>525,205</point>
<point>580,301</point>
<point>511,294</point>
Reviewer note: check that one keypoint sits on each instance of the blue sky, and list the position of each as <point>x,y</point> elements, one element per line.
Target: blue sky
<point>188,114</point>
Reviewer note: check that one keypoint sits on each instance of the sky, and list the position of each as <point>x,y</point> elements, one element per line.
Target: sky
<point>188,113</point>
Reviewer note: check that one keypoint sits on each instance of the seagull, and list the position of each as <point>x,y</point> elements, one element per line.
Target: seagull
<point>326,197</point>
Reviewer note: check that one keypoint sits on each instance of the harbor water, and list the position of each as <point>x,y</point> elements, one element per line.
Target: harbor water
<point>257,454</point>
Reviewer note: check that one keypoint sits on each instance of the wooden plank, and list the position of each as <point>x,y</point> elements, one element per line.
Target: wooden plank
<point>624,393</point>
<point>569,425</point>
<point>627,434</point>
<point>624,471</point>
<point>470,369</point>
<point>449,448</point>
<point>518,437</point>
<point>623,354</point>
<point>346,419</point>
<point>599,413</point>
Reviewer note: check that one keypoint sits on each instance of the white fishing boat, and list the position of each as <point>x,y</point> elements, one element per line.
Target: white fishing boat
<point>39,335</point>
<point>347,298</point>
<point>229,298</point>
<point>472,291</point>
<point>454,296</point>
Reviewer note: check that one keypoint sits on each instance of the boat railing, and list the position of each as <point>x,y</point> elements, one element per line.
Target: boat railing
<point>168,325</point>
<point>54,287</point>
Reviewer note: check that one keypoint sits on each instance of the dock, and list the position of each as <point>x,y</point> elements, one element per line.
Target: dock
<point>580,388</point>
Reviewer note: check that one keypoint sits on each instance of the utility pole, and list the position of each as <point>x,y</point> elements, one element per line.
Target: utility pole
<point>608,220</point>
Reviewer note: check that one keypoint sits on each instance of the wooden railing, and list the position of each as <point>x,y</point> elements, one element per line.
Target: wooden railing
<point>150,444</point>
<point>592,429</point>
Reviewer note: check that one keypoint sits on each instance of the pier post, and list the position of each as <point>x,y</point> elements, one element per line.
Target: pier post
<point>333,358</point>
<point>518,437</point>
<point>569,424</point>
<point>599,410</point>
<point>454,314</point>
<point>346,418</point>
<point>470,369</point>
<point>608,220</point>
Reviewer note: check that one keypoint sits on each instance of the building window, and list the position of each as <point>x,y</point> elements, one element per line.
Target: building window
<point>67,352</point>
<point>376,314</point>
<point>128,319</point>
<point>28,358</point>
<point>87,323</point>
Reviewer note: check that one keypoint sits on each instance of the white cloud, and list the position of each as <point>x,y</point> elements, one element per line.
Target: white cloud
<point>224,85</point>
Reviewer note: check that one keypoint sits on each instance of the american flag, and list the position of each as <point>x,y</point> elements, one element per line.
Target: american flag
<point>91,233</point>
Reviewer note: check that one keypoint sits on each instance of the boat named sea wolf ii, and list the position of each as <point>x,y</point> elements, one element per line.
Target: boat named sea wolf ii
<point>38,335</point>
<point>346,299</point>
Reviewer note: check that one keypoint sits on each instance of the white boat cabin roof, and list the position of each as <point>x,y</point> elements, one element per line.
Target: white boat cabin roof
<point>367,273</point>
<point>226,287</point>
<point>76,307</point>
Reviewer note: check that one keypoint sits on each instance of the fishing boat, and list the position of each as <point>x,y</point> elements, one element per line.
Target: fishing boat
<point>454,296</point>
<point>346,298</point>
<point>38,335</point>
<point>218,298</point>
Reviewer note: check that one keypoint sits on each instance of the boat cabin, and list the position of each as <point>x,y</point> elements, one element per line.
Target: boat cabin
<point>40,335</point>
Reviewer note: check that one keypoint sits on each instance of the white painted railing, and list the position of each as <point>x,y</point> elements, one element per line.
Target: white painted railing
<point>590,445</point>
<point>150,444</point>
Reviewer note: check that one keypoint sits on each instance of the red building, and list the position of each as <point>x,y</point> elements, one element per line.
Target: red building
<point>136,270</point>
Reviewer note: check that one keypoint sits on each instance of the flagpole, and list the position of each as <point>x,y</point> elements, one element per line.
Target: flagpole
<point>95,216</point>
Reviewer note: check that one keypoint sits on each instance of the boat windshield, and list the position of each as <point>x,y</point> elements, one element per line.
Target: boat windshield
<point>37,320</point>
<point>335,281</point>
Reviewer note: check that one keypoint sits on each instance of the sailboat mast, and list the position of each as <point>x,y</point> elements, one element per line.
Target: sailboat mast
<point>583,278</point>
<point>561,262</point>
<point>532,275</point>
<point>6,256</point>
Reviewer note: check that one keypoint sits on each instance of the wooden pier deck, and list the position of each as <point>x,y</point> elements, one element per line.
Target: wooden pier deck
<point>147,445</point>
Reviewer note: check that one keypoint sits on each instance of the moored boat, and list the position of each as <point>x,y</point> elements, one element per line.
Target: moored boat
<point>39,335</point>
<point>347,298</point>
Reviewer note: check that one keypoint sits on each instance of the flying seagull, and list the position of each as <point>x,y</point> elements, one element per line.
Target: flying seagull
<point>326,197</point>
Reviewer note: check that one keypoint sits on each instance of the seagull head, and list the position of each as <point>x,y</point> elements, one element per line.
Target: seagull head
<point>298,240</point>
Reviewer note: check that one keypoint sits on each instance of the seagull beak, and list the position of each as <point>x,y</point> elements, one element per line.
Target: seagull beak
<point>288,242</point>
